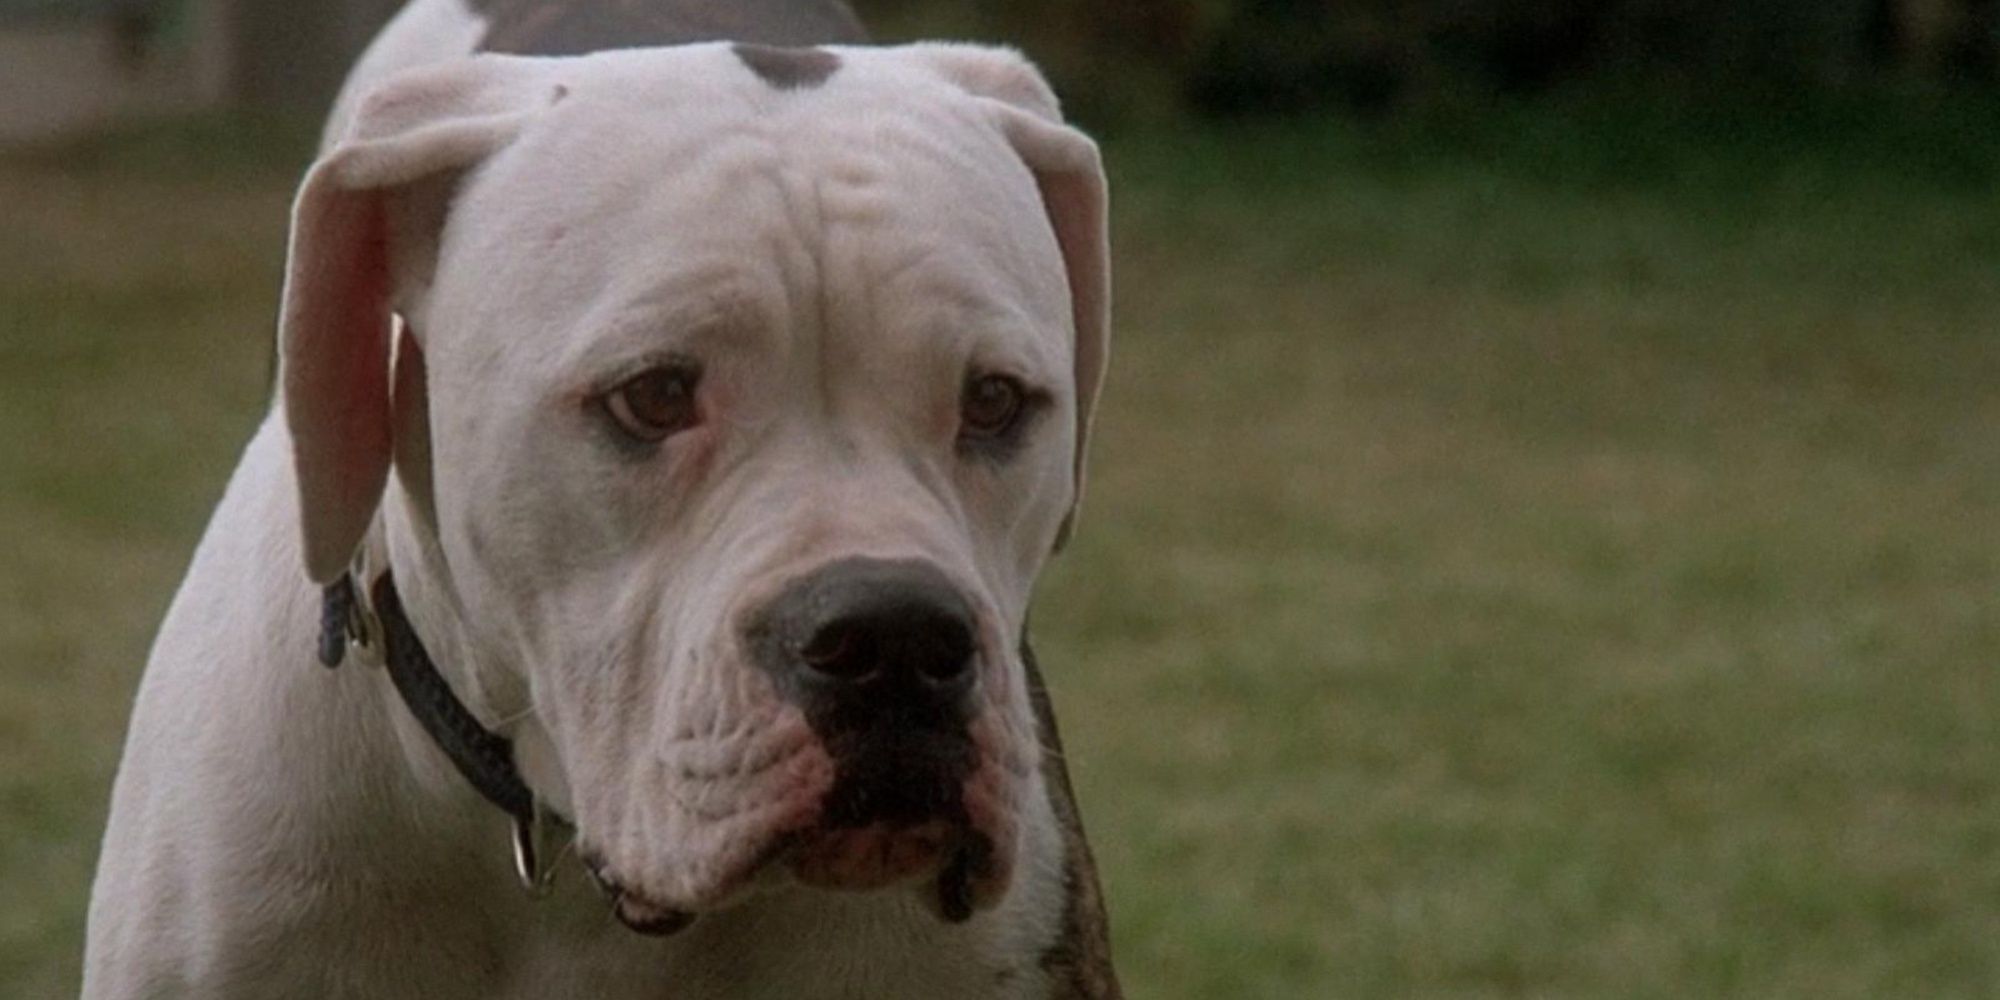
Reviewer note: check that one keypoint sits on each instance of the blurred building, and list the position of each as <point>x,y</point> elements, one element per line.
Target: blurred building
<point>72,65</point>
<point>68,65</point>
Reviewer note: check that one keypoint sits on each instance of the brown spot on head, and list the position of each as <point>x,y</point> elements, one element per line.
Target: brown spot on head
<point>788,68</point>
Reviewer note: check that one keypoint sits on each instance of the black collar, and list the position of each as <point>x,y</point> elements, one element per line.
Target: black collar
<point>483,757</point>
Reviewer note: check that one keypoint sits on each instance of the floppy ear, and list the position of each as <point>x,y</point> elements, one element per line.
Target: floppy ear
<point>1070,175</point>
<point>335,322</point>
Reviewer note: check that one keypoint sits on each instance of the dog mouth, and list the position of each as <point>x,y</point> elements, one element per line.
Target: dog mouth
<point>931,815</point>
<point>945,859</point>
<point>949,865</point>
<point>903,800</point>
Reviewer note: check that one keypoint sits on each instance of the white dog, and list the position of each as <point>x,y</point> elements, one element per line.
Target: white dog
<point>684,428</point>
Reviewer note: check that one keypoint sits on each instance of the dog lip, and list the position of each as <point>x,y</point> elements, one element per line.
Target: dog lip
<point>952,892</point>
<point>645,919</point>
<point>875,855</point>
<point>634,911</point>
<point>648,915</point>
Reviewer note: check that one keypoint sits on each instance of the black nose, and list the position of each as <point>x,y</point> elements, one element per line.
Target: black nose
<point>869,636</point>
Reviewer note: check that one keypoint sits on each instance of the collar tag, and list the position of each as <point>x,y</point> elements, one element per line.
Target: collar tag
<point>539,842</point>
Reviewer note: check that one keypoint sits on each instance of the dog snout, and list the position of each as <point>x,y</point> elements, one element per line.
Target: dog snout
<point>870,638</point>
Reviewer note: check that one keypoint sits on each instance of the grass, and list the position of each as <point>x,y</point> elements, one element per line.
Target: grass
<point>1548,552</point>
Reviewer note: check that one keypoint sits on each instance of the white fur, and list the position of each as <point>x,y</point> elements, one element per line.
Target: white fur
<point>839,256</point>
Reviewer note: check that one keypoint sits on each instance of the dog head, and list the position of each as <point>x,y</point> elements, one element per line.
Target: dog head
<point>738,396</point>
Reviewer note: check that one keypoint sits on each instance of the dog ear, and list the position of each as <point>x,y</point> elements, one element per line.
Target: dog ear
<point>1070,174</point>
<point>1071,178</point>
<point>335,322</point>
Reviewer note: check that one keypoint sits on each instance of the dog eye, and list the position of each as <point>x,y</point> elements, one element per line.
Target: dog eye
<point>991,406</point>
<point>994,413</point>
<point>656,403</point>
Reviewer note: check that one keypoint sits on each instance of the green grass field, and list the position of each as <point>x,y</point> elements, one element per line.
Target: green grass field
<point>1553,552</point>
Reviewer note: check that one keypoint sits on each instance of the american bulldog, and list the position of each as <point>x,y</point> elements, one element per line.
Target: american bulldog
<point>676,404</point>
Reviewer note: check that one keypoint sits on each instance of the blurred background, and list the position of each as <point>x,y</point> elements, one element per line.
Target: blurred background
<point>1545,529</point>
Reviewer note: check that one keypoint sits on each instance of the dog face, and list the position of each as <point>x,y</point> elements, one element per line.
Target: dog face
<point>742,396</point>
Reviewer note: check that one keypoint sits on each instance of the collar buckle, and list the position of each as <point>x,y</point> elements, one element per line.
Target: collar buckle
<point>348,624</point>
<point>364,633</point>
